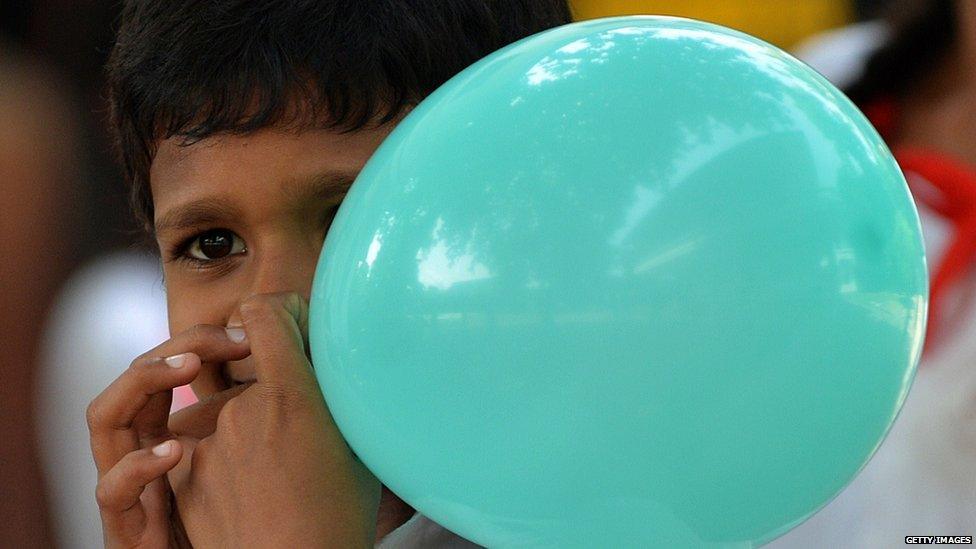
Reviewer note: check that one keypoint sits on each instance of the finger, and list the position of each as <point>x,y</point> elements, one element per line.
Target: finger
<point>150,422</point>
<point>211,343</point>
<point>120,490</point>
<point>179,476</point>
<point>112,413</point>
<point>131,402</point>
<point>275,326</point>
<point>199,420</point>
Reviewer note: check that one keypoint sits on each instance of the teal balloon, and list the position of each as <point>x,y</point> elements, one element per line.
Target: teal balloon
<point>629,282</point>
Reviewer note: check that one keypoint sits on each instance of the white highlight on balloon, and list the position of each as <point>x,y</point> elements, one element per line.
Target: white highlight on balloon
<point>442,266</point>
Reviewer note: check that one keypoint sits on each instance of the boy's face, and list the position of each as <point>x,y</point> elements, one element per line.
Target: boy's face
<point>241,215</point>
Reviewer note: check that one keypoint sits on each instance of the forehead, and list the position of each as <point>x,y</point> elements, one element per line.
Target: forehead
<point>268,158</point>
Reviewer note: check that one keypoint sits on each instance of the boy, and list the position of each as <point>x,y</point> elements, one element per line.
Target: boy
<point>240,125</point>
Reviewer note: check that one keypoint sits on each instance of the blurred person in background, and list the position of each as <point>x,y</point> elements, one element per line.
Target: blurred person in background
<point>110,310</point>
<point>38,168</point>
<point>64,224</point>
<point>914,74</point>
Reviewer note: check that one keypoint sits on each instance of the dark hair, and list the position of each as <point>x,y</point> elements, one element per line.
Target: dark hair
<point>196,68</point>
<point>922,33</point>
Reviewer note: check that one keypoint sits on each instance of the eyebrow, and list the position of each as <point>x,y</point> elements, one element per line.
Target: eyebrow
<point>193,214</point>
<point>204,211</point>
<point>320,187</point>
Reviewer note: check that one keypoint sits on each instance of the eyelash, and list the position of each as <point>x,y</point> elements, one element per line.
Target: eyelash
<point>180,252</point>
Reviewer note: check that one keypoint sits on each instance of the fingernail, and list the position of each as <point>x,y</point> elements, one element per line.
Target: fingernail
<point>235,334</point>
<point>176,361</point>
<point>163,450</point>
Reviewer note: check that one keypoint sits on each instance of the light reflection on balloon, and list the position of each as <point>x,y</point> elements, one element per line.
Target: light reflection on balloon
<point>629,282</point>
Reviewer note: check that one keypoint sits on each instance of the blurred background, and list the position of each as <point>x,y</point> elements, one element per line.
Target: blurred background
<point>81,289</point>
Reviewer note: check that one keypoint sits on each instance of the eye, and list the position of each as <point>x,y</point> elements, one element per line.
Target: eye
<point>215,244</point>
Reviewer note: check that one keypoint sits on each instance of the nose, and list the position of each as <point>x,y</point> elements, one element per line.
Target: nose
<point>284,264</point>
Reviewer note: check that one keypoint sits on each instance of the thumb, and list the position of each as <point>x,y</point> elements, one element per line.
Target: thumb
<point>277,328</point>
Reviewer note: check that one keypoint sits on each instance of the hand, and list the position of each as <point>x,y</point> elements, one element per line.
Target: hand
<point>275,472</point>
<point>132,445</point>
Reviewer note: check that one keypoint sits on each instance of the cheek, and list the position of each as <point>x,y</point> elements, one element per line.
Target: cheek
<point>192,304</point>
